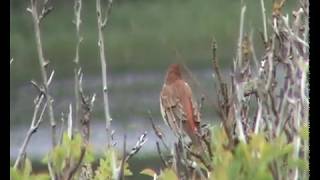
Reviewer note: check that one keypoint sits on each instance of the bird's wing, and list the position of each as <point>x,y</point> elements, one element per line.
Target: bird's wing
<point>171,109</point>
<point>191,106</point>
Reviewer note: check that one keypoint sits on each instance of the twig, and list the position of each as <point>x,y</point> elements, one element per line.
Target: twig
<point>242,136</point>
<point>36,121</point>
<point>61,128</point>
<point>73,169</point>
<point>51,172</point>
<point>85,118</point>
<point>254,56</point>
<point>264,19</point>
<point>101,24</point>
<point>270,63</point>
<point>297,140</point>
<point>43,62</point>
<point>157,131</point>
<point>258,118</point>
<point>201,104</point>
<point>124,154</point>
<point>216,67</point>
<point>207,143</point>
<point>243,10</point>
<point>77,22</point>
<point>86,107</point>
<point>11,60</point>
<point>70,122</point>
<point>160,155</point>
<point>143,139</point>
<point>207,165</point>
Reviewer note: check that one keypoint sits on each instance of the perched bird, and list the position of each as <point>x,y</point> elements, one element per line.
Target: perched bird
<point>178,108</point>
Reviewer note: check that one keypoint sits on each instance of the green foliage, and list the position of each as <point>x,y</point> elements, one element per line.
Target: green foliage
<point>304,132</point>
<point>106,167</point>
<point>104,170</point>
<point>25,173</point>
<point>165,174</point>
<point>255,160</point>
<point>70,149</point>
<point>168,174</point>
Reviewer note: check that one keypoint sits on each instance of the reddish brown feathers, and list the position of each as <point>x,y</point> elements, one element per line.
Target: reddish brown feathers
<point>177,106</point>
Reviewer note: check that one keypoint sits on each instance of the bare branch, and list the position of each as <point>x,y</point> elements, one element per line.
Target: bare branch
<point>270,55</point>
<point>157,131</point>
<point>77,70</point>
<point>258,118</point>
<point>108,11</point>
<point>201,104</point>
<point>124,154</point>
<point>138,146</point>
<point>101,25</point>
<point>61,128</point>
<point>160,155</point>
<point>50,78</point>
<point>46,9</point>
<point>70,122</point>
<point>264,19</point>
<point>51,172</point>
<point>36,121</point>
<point>42,61</point>
<point>243,10</point>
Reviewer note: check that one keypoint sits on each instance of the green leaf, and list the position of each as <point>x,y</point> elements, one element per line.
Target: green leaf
<point>89,156</point>
<point>58,157</point>
<point>65,139</point>
<point>14,174</point>
<point>127,171</point>
<point>234,169</point>
<point>45,159</point>
<point>304,132</point>
<point>300,163</point>
<point>27,168</point>
<point>41,177</point>
<point>168,174</point>
<point>104,171</point>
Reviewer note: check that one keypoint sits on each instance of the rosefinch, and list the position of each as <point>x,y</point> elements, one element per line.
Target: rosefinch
<point>178,108</point>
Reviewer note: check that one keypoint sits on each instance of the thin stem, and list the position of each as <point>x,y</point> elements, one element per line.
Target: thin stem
<point>43,64</point>
<point>101,25</point>
<point>33,128</point>
<point>297,139</point>
<point>77,21</point>
<point>270,64</point>
<point>51,173</point>
<point>264,19</point>
<point>160,155</point>
<point>243,10</point>
<point>70,122</point>
<point>258,119</point>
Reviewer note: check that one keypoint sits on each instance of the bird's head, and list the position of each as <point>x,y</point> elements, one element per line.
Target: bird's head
<point>173,73</point>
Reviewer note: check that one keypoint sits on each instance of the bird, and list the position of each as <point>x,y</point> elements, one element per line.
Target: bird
<point>177,105</point>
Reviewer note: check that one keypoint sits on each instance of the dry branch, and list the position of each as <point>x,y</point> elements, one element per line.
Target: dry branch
<point>37,18</point>
<point>102,22</point>
<point>77,22</point>
<point>36,121</point>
